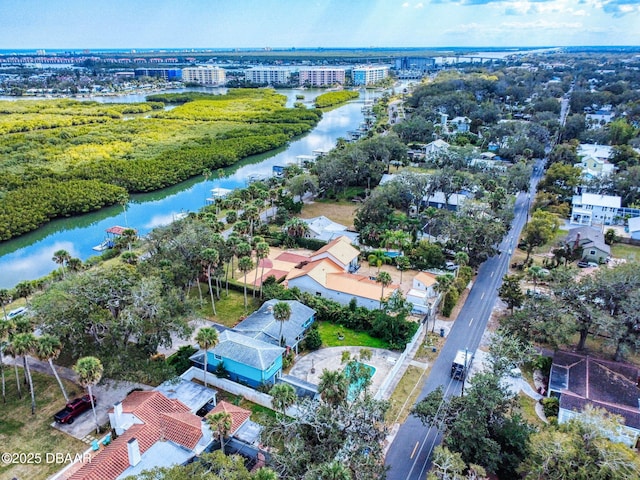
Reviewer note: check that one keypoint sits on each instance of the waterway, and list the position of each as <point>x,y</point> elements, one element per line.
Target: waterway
<point>30,256</point>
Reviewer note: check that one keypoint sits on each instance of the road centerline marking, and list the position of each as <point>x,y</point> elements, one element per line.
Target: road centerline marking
<point>414,450</point>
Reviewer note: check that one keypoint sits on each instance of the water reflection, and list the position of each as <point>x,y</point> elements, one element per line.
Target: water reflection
<point>29,256</point>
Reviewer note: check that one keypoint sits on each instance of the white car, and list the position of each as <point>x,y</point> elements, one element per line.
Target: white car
<point>17,312</point>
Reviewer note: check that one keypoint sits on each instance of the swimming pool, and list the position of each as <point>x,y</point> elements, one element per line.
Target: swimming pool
<point>358,379</point>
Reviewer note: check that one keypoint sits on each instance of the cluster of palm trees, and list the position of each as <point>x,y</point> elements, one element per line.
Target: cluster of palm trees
<point>17,339</point>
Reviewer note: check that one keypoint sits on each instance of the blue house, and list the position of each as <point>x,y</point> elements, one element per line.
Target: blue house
<point>247,360</point>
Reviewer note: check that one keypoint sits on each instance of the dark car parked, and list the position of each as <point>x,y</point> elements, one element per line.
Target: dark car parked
<point>73,409</point>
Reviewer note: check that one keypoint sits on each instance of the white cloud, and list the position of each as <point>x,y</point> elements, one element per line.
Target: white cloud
<point>406,5</point>
<point>419,5</point>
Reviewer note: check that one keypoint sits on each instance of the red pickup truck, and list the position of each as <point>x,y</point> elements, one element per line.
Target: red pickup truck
<point>74,408</point>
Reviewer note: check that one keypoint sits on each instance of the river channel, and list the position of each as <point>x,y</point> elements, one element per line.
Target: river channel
<point>30,256</point>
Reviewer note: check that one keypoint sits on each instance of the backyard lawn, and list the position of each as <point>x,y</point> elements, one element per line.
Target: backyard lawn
<point>629,252</point>
<point>336,336</point>
<point>230,309</point>
<point>23,433</point>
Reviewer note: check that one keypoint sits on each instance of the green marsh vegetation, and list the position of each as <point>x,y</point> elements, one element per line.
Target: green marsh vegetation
<point>65,157</point>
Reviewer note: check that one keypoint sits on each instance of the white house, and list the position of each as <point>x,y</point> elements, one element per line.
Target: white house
<point>323,228</point>
<point>422,291</point>
<point>634,227</point>
<point>460,124</point>
<point>435,148</point>
<point>591,208</point>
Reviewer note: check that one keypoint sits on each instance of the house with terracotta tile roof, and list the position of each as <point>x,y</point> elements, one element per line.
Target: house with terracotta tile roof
<point>152,431</point>
<point>341,252</point>
<point>246,360</point>
<point>325,278</point>
<point>263,326</point>
<point>239,415</point>
<point>579,380</point>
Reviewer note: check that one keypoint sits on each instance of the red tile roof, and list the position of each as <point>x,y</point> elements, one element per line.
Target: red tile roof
<point>238,414</point>
<point>164,419</point>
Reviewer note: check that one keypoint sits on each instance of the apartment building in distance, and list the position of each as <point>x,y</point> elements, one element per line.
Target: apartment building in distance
<point>167,74</point>
<point>369,74</point>
<point>204,75</point>
<point>322,76</point>
<point>268,75</point>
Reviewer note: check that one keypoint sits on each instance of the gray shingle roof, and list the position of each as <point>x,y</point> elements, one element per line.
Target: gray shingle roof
<point>246,350</point>
<point>262,325</point>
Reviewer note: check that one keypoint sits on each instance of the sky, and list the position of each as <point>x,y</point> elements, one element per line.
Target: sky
<point>130,24</point>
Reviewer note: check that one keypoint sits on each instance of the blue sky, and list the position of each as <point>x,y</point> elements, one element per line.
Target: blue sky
<point>79,24</point>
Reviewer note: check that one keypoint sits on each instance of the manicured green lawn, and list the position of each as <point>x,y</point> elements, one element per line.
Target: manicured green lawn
<point>329,333</point>
<point>230,309</point>
<point>21,432</point>
<point>622,250</point>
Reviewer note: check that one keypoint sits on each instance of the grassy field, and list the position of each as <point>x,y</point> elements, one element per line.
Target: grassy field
<point>21,432</point>
<point>629,252</point>
<point>341,212</point>
<point>406,394</point>
<point>230,309</point>
<point>329,333</point>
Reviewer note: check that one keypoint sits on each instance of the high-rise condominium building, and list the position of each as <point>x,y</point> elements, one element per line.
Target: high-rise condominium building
<point>369,74</point>
<point>268,75</point>
<point>322,76</point>
<point>205,75</point>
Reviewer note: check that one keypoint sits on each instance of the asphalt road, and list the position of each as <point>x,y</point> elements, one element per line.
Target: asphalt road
<point>409,455</point>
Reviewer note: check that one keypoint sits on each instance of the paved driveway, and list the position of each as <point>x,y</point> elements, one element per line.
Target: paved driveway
<point>107,393</point>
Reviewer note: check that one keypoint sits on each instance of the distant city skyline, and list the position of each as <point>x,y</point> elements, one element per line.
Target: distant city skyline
<point>130,24</point>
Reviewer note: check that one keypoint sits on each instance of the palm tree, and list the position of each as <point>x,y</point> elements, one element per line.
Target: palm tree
<point>129,235</point>
<point>61,257</point>
<point>262,252</point>
<point>211,258</point>
<point>74,264</point>
<point>385,280</point>
<point>283,396</point>
<point>461,258</point>
<point>333,387</point>
<point>333,470</point>
<point>536,273</point>
<point>47,348</point>
<point>245,264</point>
<point>221,423</point>
<point>296,228</point>
<point>207,338</point>
<point>282,313</point>
<point>23,345</point>
<point>89,371</point>
<point>10,350</point>
<point>6,327</point>
<point>5,299</point>
<point>232,244</point>
<point>24,290</point>
<point>403,263</point>
<point>123,200</point>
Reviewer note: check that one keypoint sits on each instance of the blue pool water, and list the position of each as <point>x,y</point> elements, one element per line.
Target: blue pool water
<point>356,386</point>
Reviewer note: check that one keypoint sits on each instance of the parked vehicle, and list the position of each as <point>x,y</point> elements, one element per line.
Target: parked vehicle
<point>73,409</point>
<point>17,312</point>
<point>461,364</point>
<point>585,264</point>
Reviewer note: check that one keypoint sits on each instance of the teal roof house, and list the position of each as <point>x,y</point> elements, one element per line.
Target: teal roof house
<point>247,360</point>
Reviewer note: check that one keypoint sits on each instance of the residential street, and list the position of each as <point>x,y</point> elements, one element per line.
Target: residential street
<point>409,455</point>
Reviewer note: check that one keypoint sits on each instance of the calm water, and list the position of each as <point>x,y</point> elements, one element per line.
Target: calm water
<point>29,256</point>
